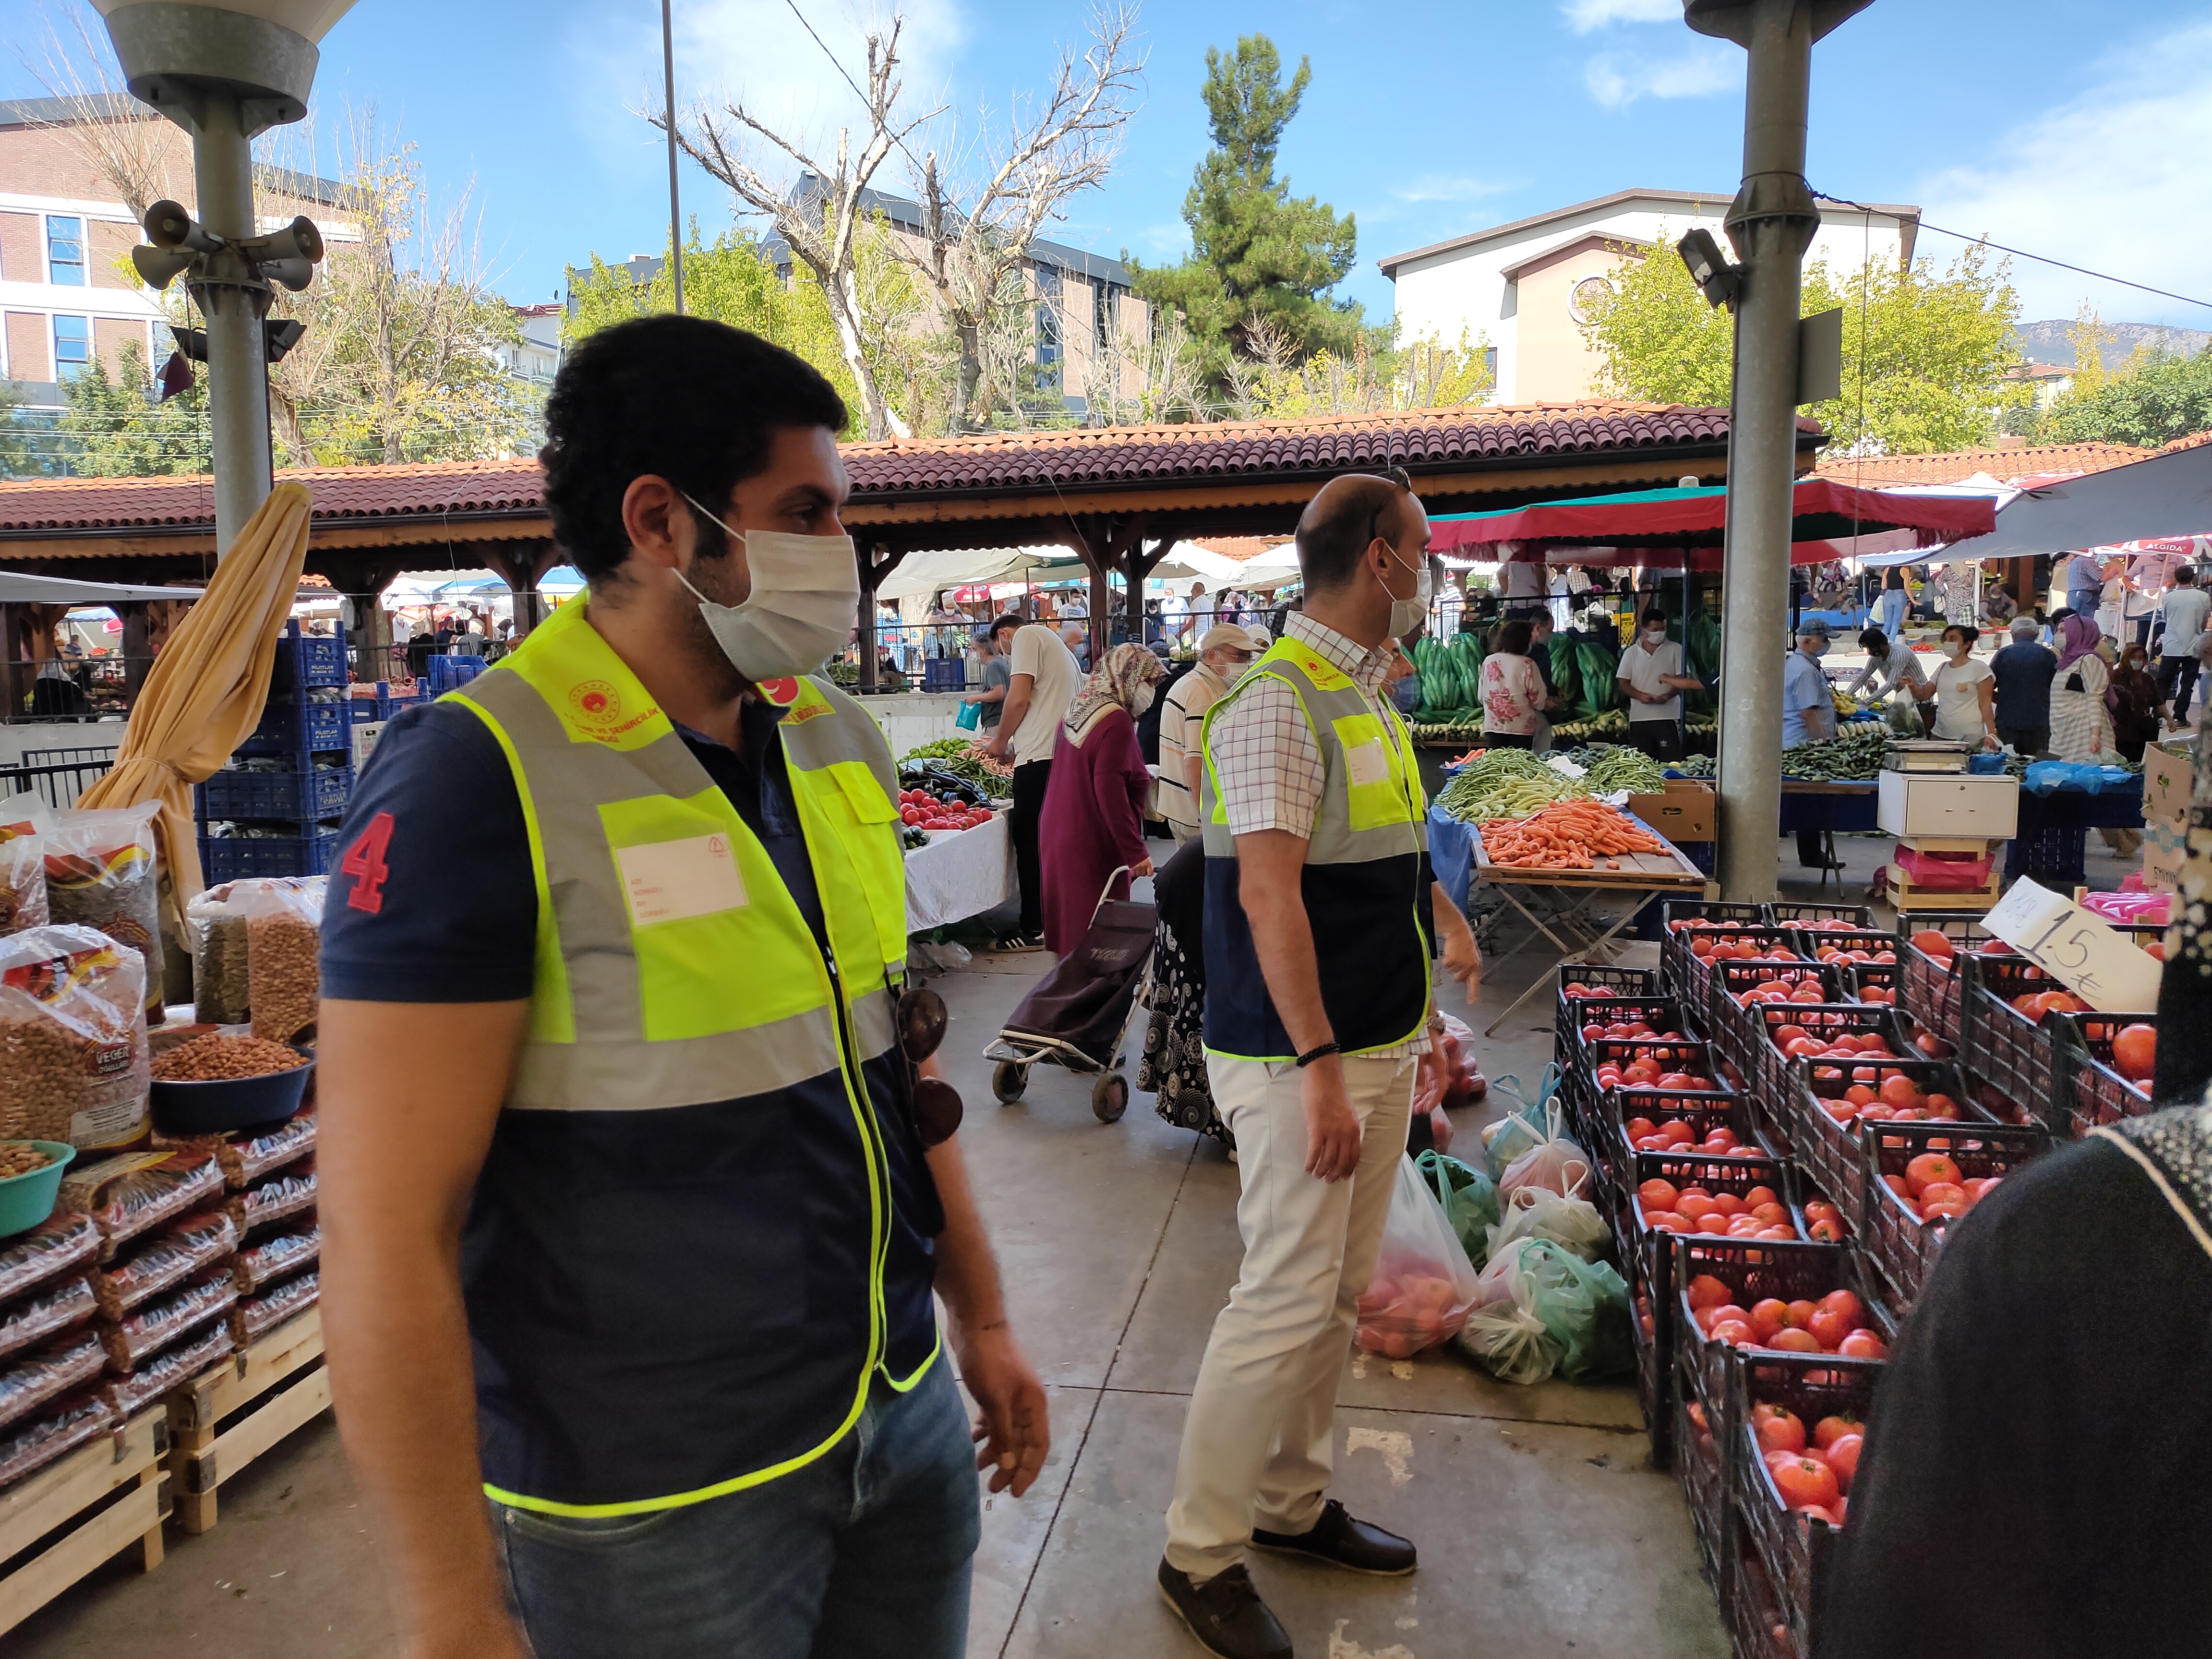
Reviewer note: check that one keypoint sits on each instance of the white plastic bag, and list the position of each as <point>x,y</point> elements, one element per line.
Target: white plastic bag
<point>1423,1282</point>
<point>1503,1333</point>
<point>1538,1213</point>
<point>1558,1165</point>
<point>1530,1122</point>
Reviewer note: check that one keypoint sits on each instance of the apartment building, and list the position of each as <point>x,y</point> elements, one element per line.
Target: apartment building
<point>1526,288</point>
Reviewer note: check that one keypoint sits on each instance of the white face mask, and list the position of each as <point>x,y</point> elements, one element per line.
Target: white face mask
<point>1653,638</point>
<point>1139,701</point>
<point>1406,615</point>
<point>806,590</point>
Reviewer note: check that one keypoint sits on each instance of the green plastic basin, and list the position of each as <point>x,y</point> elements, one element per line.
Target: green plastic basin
<point>28,1199</point>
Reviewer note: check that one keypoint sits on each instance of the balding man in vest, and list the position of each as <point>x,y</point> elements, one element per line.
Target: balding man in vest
<point>1321,914</point>
<point>629,1309</point>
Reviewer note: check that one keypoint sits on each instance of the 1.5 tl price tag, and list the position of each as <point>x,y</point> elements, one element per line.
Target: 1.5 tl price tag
<point>2105,969</point>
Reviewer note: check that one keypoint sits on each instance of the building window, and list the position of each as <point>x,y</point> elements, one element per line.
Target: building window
<point>1490,363</point>
<point>72,346</point>
<point>1048,348</point>
<point>65,251</point>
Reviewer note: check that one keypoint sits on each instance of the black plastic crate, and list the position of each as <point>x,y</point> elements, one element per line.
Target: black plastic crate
<point>2001,1046</point>
<point>1874,983</point>
<point>1703,1110</point>
<point>1602,981</point>
<point>1750,1606</point>
<point>1879,947</point>
<point>1798,1551</point>
<point>1929,987</point>
<point>1675,961</point>
<point>1897,1247</point>
<point>1821,1021</point>
<point>1655,1370</point>
<point>225,857</point>
<point>1753,1269</point>
<point>1700,1456</point>
<point>1814,915</point>
<point>306,659</point>
<point>302,794</point>
<point>293,724</point>
<point>1827,1148</point>
<point>2091,1089</point>
<point>1805,1191</point>
<point>1580,1081</point>
<point>1735,1024</point>
<point>2056,856</point>
<point>1646,1252</point>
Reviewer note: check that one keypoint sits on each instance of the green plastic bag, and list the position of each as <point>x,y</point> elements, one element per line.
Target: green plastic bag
<point>1539,1308</point>
<point>1469,1198</point>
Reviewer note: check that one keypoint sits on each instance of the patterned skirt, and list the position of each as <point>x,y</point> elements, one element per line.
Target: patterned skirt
<point>1174,1065</point>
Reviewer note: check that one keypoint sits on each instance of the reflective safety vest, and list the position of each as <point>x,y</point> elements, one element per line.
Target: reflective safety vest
<point>703,1224</point>
<point>1366,882</point>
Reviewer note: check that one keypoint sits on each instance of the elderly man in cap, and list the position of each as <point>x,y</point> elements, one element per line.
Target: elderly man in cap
<point>1224,652</point>
<point>1808,715</point>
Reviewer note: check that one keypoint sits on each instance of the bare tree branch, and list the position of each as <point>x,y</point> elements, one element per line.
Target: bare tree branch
<point>137,152</point>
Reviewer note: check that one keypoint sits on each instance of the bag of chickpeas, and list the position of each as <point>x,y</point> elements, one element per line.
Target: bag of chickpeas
<point>73,1060</point>
<point>256,942</point>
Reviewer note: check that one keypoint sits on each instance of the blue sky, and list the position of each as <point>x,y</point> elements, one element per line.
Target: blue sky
<point>2075,132</point>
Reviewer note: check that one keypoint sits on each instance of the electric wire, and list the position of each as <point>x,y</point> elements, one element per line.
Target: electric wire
<point>2022,254</point>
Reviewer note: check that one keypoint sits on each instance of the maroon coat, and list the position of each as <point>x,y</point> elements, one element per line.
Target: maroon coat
<point>1093,821</point>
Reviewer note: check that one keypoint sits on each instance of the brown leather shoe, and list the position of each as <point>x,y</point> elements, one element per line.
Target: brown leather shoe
<point>1225,1613</point>
<point>1342,1541</point>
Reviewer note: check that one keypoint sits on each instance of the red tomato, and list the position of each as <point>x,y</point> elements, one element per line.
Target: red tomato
<point>1720,1311</point>
<point>1724,1136</point>
<point>1825,1232</point>
<point>1805,1481</point>
<point>1778,1428</point>
<point>1640,1126</point>
<point>1677,1133</point>
<point>1767,1317</point>
<point>1759,1196</point>
<point>1707,1291</point>
<point>1864,1345</point>
<point>1640,1071</point>
<point>1768,1214</point>
<point>1729,1205</point>
<point>1734,1333</point>
<point>1844,1456</point>
<point>1899,1092</point>
<point>1791,1340</point>
<point>1696,1207</point>
<point>1658,1194</point>
<point>1829,1328</point>
<point>1927,1169</point>
<point>2135,1051</point>
<point>1800,1312</point>
<point>910,815</point>
<point>1676,1080</point>
<point>1932,943</point>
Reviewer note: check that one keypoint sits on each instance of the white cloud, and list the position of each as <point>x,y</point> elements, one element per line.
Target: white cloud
<point>1616,79</point>
<point>1443,187</point>
<point>1584,15</point>
<point>2113,178</point>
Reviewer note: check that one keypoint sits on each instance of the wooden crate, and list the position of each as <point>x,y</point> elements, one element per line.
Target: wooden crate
<point>100,1498</point>
<point>222,1422</point>
<point>1904,898</point>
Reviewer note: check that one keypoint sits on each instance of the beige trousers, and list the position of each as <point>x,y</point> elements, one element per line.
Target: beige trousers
<point>1257,1442</point>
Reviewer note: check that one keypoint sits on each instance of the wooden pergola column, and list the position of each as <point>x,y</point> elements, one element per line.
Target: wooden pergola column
<point>877,561</point>
<point>521,565</point>
<point>361,582</point>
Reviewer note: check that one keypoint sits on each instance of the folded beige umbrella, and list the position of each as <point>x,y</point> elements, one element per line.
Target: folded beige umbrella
<point>205,692</point>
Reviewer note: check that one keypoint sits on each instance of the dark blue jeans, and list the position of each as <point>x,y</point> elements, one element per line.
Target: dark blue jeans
<point>862,1554</point>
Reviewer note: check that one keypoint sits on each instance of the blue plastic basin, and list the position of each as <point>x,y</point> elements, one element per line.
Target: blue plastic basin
<point>28,1199</point>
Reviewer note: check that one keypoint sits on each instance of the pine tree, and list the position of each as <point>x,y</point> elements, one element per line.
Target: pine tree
<point>1259,257</point>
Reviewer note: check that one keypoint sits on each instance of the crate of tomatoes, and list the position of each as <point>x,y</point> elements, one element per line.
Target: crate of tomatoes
<point>1928,954</point>
<point>1581,982</point>
<point>1752,1296</point>
<point>921,809</point>
<point>1689,929</point>
<point>2106,1062</point>
<point>1820,917</point>
<point>1832,1095</point>
<point>1606,1062</point>
<point>1741,990</point>
<point>1919,1178</point>
<point>1795,1426</point>
<point>1871,982</point>
<point>1751,1607</point>
<point>2008,1038</point>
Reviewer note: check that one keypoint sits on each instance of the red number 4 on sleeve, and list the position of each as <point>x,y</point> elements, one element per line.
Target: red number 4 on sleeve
<point>364,862</point>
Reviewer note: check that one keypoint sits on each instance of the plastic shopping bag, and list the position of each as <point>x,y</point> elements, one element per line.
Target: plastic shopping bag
<point>1574,1224</point>
<point>970,716</point>
<point>1539,1309</point>
<point>1558,1165</point>
<point>1530,1122</point>
<point>1469,1198</point>
<point>1423,1281</point>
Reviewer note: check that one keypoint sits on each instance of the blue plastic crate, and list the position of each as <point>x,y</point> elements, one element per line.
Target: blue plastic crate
<point>387,705</point>
<point>224,858</point>
<point>447,673</point>
<point>943,674</point>
<point>302,794</point>
<point>293,726</point>
<point>304,659</point>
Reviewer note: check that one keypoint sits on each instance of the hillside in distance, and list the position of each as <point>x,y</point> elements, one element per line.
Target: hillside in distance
<point>2048,341</point>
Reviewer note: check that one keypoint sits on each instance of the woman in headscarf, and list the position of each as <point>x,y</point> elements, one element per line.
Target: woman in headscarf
<point>2136,703</point>
<point>2081,725</point>
<point>1094,805</point>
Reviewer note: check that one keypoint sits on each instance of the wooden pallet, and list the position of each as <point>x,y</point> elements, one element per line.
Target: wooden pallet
<point>1904,898</point>
<point>100,1498</point>
<point>222,1422</point>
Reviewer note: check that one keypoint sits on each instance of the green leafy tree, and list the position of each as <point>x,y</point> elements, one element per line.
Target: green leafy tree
<point>113,429</point>
<point>2155,397</point>
<point>1259,255</point>
<point>1925,355</point>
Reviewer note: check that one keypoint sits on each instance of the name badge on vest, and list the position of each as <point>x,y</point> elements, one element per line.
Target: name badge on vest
<point>669,880</point>
<point>1366,762</point>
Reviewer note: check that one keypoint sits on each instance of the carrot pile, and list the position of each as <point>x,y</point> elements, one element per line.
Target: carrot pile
<point>1566,836</point>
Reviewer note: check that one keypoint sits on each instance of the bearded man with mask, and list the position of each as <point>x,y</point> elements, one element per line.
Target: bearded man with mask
<point>1318,937</point>
<point>630,1318</point>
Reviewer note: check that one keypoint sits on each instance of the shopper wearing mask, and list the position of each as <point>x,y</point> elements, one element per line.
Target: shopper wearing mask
<point>1808,715</point>
<point>1963,691</point>
<point>2080,719</point>
<point>1888,667</point>
<point>1317,1010</point>
<point>1650,672</point>
<point>1511,689</point>
<point>651,1267</point>
<point>2186,610</point>
<point>1094,806</point>
<point>1224,652</point>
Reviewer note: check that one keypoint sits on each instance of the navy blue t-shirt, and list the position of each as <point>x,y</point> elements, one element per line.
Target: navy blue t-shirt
<point>2023,674</point>
<point>455,917</point>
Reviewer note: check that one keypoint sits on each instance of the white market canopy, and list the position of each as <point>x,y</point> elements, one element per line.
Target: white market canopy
<point>16,587</point>
<point>923,575</point>
<point>2166,495</point>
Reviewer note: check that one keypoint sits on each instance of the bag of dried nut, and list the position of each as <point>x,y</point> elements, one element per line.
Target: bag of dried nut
<point>283,944</point>
<point>73,1060</point>
<point>100,874</point>
<point>22,878</point>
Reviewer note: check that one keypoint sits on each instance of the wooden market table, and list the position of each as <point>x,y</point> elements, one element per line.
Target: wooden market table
<point>1565,895</point>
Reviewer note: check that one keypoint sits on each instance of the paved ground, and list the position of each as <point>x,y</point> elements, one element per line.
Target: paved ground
<point>1543,1531</point>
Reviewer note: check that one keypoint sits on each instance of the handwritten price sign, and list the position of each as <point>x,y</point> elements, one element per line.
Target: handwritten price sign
<point>2105,969</point>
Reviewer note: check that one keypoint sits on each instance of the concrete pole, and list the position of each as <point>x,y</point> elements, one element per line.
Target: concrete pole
<point>1771,224</point>
<point>233,299</point>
